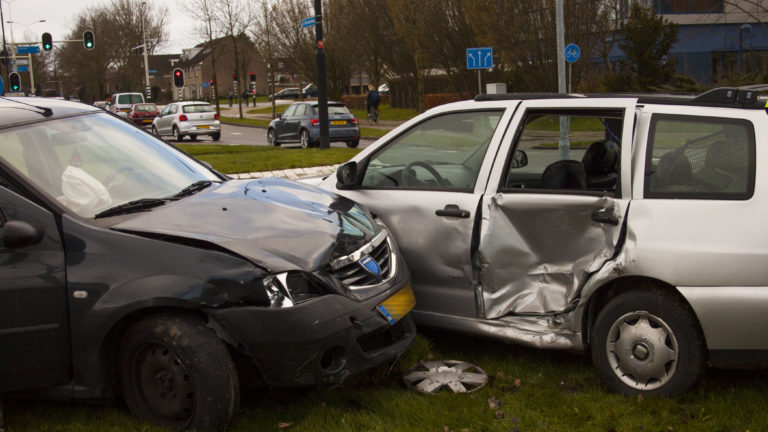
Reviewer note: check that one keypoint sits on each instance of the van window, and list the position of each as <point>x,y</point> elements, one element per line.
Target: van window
<point>700,158</point>
<point>129,99</point>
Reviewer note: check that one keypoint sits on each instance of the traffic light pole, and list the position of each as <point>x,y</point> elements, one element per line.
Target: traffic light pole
<point>322,94</point>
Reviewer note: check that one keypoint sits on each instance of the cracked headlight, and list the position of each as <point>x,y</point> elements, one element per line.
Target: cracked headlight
<point>289,289</point>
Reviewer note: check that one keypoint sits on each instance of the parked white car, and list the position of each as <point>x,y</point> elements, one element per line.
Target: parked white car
<point>628,227</point>
<point>193,119</point>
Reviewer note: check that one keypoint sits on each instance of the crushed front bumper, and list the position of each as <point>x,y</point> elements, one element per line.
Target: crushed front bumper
<point>320,342</point>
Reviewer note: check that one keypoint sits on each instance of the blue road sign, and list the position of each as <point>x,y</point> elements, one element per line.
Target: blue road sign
<point>2,88</point>
<point>480,58</point>
<point>22,69</point>
<point>28,49</point>
<point>572,52</point>
<point>308,22</point>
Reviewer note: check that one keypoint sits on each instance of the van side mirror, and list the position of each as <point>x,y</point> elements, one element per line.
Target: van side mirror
<point>519,159</point>
<point>346,176</point>
<point>17,234</point>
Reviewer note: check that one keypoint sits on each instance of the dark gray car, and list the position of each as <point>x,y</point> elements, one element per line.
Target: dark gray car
<point>129,269</point>
<point>300,123</point>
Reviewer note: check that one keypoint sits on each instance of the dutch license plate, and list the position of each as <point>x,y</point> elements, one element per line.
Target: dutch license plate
<point>204,127</point>
<point>339,122</point>
<point>397,306</point>
<point>147,120</point>
<point>124,109</point>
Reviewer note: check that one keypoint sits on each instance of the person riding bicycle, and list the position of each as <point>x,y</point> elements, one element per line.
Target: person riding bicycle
<point>372,103</point>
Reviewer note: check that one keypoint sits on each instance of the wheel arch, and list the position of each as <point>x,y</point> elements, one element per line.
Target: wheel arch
<point>612,289</point>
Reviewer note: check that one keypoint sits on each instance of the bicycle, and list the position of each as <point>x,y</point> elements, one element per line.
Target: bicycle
<point>373,115</point>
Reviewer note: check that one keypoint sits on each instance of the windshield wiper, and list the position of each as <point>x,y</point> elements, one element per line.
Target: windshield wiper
<point>192,189</point>
<point>132,207</point>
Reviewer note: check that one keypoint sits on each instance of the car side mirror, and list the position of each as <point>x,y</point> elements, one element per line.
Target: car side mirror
<point>346,176</point>
<point>17,234</point>
<point>519,159</point>
<point>279,116</point>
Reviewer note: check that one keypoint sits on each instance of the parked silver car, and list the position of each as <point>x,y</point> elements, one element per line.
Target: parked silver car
<point>193,119</point>
<point>630,228</point>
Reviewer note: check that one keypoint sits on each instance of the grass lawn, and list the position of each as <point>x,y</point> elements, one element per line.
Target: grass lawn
<point>536,390</point>
<point>242,159</point>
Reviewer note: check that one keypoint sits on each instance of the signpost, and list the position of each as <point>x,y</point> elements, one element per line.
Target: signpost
<point>479,58</point>
<point>28,49</point>
<point>572,53</point>
<point>308,22</point>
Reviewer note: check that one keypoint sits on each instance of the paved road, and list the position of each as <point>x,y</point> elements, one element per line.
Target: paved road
<point>247,135</point>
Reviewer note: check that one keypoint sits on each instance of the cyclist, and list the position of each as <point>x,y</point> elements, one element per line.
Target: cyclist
<point>372,104</point>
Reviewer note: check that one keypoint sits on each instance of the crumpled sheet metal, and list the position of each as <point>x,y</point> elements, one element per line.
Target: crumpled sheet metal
<point>534,255</point>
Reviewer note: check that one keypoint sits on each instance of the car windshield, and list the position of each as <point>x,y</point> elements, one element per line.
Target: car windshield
<point>93,162</point>
<point>200,108</point>
<point>130,99</point>
<point>145,108</point>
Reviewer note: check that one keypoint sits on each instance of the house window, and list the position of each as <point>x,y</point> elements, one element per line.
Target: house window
<point>688,6</point>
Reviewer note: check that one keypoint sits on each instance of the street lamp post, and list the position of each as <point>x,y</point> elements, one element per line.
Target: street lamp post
<point>147,88</point>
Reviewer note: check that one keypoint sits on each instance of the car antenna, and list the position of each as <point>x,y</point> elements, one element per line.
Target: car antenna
<point>47,112</point>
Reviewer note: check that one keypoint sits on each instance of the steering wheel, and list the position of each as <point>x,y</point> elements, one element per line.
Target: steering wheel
<point>409,178</point>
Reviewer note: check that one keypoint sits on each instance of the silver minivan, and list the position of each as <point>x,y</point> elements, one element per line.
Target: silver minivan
<point>630,228</point>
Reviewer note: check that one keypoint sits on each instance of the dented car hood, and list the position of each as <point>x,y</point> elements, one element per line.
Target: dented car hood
<point>277,224</point>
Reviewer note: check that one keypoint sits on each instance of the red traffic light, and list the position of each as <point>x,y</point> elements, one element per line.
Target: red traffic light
<point>234,77</point>
<point>210,82</point>
<point>253,76</point>
<point>178,77</point>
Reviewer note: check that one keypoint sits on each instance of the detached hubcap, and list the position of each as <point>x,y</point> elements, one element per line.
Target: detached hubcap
<point>642,350</point>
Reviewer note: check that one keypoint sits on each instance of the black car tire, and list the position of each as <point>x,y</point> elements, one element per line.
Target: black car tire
<point>216,136</point>
<point>304,138</point>
<point>176,135</point>
<point>353,143</point>
<point>176,373</point>
<point>647,342</point>
<point>193,137</point>
<point>271,139</point>
<point>154,131</point>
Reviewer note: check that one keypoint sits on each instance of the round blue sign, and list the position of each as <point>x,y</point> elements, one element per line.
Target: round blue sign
<point>572,52</point>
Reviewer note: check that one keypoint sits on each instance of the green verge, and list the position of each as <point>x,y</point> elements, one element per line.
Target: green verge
<point>536,390</point>
<point>243,158</point>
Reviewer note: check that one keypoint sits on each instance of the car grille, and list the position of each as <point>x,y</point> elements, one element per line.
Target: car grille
<point>353,274</point>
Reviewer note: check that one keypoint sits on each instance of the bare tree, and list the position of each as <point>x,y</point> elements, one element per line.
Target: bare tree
<point>233,17</point>
<point>204,13</point>
<point>409,19</point>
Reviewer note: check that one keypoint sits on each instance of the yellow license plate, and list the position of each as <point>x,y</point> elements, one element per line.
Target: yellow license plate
<point>147,120</point>
<point>397,306</point>
<point>204,127</point>
<point>339,122</point>
<point>125,109</point>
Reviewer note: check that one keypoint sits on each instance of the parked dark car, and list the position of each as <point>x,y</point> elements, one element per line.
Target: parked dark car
<point>300,123</point>
<point>288,93</point>
<point>143,114</point>
<point>129,269</point>
<point>310,90</point>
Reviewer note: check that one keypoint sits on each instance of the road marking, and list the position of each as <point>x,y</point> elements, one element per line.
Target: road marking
<point>235,133</point>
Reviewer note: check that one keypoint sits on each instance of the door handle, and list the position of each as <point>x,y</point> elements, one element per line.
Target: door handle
<point>452,210</point>
<point>605,216</point>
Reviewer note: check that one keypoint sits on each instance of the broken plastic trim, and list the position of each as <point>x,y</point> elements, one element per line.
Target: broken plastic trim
<point>289,289</point>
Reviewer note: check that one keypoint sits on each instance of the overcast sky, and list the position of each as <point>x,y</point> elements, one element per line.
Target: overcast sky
<point>58,14</point>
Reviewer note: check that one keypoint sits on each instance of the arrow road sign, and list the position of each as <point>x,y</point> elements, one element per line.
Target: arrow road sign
<point>480,58</point>
<point>28,49</point>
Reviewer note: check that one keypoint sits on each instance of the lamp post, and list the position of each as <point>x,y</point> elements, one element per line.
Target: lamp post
<point>147,88</point>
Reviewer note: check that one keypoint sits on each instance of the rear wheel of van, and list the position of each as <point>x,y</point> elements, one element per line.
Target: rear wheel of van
<point>176,373</point>
<point>353,143</point>
<point>647,342</point>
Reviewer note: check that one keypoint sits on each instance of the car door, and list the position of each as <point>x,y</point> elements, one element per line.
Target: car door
<point>551,222</point>
<point>34,328</point>
<point>426,184</point>
<point>163,122</point>
<point>284,132</point>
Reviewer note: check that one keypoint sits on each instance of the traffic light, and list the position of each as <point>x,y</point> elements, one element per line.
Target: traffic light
<point>88,40</point>
<point>253,76</point>
<point>178,78</point>
<point>14,82</point>
<point>47,41</point>
<point>211,83</point>
<point>234,77</point>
